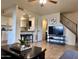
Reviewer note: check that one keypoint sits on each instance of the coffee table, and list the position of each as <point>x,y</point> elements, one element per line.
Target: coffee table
<point>34,52</point>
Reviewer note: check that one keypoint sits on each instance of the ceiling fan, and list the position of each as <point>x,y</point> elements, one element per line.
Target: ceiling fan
<point>42,2</point>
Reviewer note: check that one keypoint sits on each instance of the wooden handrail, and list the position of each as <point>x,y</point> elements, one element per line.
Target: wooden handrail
<point>72,26</point>
<point>69,24</point>
<point>68,19</point>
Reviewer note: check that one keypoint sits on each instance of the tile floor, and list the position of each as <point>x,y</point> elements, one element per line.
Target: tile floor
<point>54,51</point>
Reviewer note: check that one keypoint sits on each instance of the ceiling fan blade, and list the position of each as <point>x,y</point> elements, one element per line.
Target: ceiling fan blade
<point>31,0</point>
<point>53,1</point>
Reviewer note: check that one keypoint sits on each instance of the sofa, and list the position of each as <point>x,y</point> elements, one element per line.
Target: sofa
<point>70,54</point>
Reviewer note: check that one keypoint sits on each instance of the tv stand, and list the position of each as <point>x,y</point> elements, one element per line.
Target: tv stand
<point>56,39</point>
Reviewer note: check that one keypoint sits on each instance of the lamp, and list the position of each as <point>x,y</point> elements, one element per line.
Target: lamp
<point>42,2</point>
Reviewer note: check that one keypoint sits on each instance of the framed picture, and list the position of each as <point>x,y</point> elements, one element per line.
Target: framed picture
<point>53,20</point>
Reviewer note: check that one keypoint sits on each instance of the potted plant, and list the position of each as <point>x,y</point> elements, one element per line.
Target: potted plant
<point>24,42</point>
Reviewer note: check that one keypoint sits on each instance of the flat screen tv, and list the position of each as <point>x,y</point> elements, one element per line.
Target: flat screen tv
<point>56,30</point>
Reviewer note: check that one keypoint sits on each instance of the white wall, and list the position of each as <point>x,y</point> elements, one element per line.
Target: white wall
<point>10,22</point>
<point>48,18</point>
<point>73,16</point>
<point>70,37</point>
<point>4,20</point>
<point>4,33</point>
<point>52,16</point>
<point>39,28</point>
<point>12,34</point>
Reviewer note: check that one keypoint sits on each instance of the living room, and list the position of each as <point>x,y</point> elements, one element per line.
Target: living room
<point>52,26</point>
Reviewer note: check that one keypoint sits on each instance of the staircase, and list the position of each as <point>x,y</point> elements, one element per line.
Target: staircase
<point>70,25</point>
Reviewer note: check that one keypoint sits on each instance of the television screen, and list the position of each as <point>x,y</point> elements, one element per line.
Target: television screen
<point>56,30</point>
<point>50,30</point>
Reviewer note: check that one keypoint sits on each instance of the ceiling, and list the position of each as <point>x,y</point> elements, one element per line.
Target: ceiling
<point>61,6</point>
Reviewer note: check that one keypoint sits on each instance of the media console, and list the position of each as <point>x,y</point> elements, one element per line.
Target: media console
<point>56,39</point>
<point>56,34</point>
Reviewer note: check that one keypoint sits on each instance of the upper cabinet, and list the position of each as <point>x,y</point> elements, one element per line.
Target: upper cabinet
<point>31,24</point>
<point>27,23</point>
<point>24,23</point>
<point>6,22</point>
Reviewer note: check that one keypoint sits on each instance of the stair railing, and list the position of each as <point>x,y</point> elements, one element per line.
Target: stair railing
<point>69,24</point>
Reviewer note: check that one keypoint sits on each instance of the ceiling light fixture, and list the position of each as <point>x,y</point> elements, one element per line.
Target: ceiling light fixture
<point>22,18</point>
<point>42,2</point>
